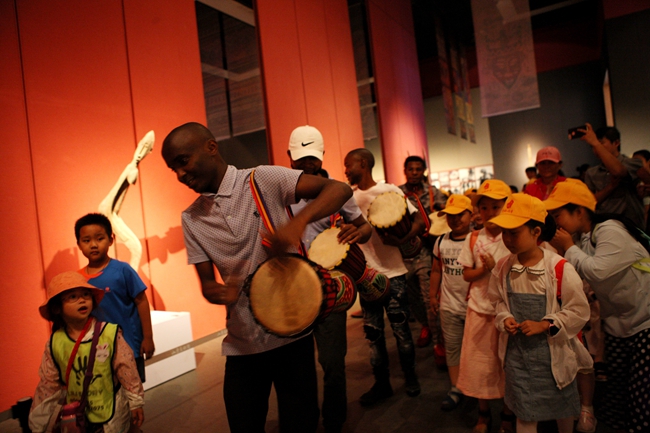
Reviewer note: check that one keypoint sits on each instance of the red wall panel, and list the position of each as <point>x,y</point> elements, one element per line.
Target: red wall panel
<point>80,121</point>
<point>346,95</point>
<point>22,330</point>
<point>167,91</point>
<point>282,74</point>
<point>397,83</point>
<point>309,76</point>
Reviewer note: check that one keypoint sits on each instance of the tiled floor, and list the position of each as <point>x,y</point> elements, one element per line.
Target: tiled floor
<point>193,403</point>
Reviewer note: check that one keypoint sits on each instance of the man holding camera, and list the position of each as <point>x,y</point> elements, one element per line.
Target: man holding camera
<point>614,180</point>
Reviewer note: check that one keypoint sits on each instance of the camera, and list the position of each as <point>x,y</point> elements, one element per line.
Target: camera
<point>574,133</point>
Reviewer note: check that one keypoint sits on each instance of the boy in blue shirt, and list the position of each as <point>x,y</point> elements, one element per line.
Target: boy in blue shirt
<point>124,302</point>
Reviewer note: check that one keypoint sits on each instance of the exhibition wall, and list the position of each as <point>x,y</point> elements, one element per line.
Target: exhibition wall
<point>397,84</point>
<point>83,83</point>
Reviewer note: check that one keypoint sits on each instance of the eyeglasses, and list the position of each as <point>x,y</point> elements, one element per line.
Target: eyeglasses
<point>76,295</point>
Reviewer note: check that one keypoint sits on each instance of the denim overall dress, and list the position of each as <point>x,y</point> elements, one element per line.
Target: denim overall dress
<point>531,391</point>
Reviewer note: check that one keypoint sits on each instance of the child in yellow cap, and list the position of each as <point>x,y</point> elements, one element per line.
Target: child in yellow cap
<point>448,283</point>
<point>114,395</point>
<point>612,257</point>
<point>480,374</point>
<point>541,307</point>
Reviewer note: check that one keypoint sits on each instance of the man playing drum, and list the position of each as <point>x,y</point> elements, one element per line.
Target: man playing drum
<point>383,255</point>
<point>432,200</point>
<point>306,149</point>
<point>223,227</point>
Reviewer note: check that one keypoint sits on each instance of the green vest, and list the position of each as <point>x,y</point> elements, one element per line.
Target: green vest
<point>101,392</point>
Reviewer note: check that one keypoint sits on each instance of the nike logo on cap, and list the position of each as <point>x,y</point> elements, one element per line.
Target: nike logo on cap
<point>306,144</point>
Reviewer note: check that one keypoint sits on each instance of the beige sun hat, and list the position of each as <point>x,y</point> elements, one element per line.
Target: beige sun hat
<point>68,281</point>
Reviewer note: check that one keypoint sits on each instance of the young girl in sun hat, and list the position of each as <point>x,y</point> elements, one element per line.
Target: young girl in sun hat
<point>115,395</point>
<point>612,257</point>
<point>480,373</point>
<point>541,307</point>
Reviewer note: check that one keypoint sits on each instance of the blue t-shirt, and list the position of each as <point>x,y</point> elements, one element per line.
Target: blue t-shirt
<point>121,284</point>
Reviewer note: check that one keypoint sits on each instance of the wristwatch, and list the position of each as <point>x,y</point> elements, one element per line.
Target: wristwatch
<point>552,329</point>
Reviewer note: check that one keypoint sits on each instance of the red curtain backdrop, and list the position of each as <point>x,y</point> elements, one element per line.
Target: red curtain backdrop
<point>397,82</point>
<point>309,76</point>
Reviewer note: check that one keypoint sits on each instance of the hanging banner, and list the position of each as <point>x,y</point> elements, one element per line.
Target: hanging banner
<point>469,116</point>
<point>506,56</point>
<point>459,97</point>
<point>450,116</point>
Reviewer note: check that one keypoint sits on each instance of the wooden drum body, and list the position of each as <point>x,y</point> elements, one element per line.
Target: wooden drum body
<point>289,294</point>
<point>326,250</point>
<point>388,213</point>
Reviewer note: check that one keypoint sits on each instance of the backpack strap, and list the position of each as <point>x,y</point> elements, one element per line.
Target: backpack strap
<point>559,272</point>
<point>473,237</point>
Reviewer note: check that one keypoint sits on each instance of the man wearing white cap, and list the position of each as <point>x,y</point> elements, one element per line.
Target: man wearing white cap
<point>306,149</point>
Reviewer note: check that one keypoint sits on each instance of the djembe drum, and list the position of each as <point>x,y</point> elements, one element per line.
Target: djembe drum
<point>326,250</point>
<point>388,213</point>
<point>289,294</point>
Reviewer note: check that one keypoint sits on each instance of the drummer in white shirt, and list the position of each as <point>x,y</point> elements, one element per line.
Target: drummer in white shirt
<point>383,255</point>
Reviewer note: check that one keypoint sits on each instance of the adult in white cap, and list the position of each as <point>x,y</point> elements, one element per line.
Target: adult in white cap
<point>548,164</point>
<point>306,150</point>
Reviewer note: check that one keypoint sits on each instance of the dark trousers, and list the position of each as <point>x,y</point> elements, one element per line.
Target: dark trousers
<point>332,347</point>
<point>397,310</point>
<point>247,387</point>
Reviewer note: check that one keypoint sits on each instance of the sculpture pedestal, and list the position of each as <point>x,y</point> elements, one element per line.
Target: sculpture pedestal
<point>170,330</point>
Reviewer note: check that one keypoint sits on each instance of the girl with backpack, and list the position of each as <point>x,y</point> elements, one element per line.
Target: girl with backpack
<point>541,307</point>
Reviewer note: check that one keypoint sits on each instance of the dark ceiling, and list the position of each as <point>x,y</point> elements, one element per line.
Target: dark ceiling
<point>456,16</point>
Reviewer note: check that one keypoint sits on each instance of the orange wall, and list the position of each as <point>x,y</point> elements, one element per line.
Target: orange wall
<point>82,83</point>
<point>309,76</point>
<point>397,83</point>
<point>22,331</point>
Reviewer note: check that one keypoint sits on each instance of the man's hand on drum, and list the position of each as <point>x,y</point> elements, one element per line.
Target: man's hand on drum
<point>221,294</point>
<point>286,237</point>
<point>349,234</point>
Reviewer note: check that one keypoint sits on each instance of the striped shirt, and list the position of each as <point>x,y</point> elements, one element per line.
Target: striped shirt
<point>226,229</point>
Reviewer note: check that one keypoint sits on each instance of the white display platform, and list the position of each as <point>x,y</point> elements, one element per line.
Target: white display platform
<point>170,330</point>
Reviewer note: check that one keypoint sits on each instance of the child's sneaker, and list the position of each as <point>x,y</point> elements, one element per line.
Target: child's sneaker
<point>587,422</point>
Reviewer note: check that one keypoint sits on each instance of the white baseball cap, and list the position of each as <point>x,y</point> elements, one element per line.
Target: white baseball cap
<point>306,141</point>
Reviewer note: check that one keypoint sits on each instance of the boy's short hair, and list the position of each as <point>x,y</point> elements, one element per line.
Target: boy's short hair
<point>645,154</point>
<point>415,158</point>
<point>533,169</point>
<point>93,219</point>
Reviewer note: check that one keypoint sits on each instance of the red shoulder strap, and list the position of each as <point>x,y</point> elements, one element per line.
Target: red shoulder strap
<point>472,239</point>
<point>425,215</point>
<point>559,272</point>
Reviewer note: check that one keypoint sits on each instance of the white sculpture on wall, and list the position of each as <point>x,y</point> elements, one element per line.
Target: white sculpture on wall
<point>112,203</point>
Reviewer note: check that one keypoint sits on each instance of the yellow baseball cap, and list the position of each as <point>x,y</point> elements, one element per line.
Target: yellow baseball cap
<point>470,192</point>
<point>456,204</point>
<point>493,188</point>
<point>570,191</point>
<point>518,210</point>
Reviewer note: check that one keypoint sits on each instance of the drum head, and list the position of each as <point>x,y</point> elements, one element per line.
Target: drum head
<point>326,250</point>
<point>386,210</point>
<point>286,295</point>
